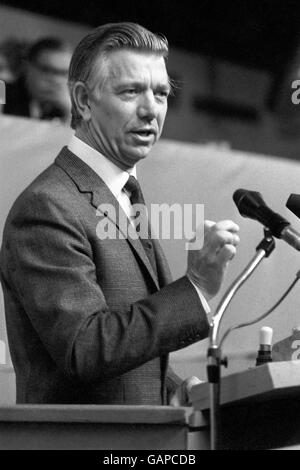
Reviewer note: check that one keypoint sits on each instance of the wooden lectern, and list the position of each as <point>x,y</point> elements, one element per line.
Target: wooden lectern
<point>93,427</point>
<point>260,409</point>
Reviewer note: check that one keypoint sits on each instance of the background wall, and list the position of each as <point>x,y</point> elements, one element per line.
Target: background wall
<point>196,76</point>
<point>31,26</point>
<point>182,173</point>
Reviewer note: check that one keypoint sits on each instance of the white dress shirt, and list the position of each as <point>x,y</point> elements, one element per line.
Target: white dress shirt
<point>115,179</point>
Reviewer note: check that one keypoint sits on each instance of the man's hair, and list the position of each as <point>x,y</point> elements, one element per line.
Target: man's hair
<point>103,40</point>
<point>47,44</point>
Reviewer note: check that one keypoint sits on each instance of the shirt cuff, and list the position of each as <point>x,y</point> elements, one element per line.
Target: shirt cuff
<point>201,297</point>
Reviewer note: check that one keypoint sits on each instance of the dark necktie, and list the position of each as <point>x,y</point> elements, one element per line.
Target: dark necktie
<point>142,228</point>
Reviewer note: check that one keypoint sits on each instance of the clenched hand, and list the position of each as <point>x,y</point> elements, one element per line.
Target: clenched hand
<point>207,266</point>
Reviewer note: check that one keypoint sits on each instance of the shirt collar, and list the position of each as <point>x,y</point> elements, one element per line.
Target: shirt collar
<point>114,177</point>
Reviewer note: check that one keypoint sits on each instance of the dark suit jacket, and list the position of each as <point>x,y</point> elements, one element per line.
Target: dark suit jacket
<point>87,319</point>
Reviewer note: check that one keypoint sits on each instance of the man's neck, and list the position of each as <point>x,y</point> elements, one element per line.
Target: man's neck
<point>85,136</point>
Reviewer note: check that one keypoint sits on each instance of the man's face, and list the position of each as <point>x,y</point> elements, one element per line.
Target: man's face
<point>128,106</point>
<point>47,77</point>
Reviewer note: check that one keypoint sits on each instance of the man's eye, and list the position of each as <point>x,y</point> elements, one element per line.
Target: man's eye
<point>162,94</point>
<point>130,91</point>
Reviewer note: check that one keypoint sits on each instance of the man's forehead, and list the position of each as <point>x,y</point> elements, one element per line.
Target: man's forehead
<point>134,64</point>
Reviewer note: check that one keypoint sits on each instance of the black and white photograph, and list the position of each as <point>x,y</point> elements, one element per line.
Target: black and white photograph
<point>149,228</point>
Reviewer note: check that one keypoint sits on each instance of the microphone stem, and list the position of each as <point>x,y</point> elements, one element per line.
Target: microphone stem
<point>214,355</point>
<point>216,320</point>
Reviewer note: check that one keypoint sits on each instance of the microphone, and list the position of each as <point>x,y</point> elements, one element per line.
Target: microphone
<point>251,204</point>
<point>293,204</point>
<point>265,351</point>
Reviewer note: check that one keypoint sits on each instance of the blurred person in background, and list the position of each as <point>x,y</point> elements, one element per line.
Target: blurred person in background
<point>42,92</point>
<point>12,57</point>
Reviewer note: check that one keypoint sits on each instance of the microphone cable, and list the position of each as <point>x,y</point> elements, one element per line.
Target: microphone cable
<point>261,317</point>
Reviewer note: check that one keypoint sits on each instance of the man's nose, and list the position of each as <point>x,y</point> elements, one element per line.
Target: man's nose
<point>148,108</point>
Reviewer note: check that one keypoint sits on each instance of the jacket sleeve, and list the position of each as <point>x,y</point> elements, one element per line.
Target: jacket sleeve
<point>53,273</point>
<point>173,381</point>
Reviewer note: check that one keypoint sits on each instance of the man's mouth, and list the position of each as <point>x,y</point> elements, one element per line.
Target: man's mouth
<point>143,136</point>
<point>144,132</point>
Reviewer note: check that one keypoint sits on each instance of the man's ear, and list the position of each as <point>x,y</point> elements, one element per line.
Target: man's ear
<point>81,100</point>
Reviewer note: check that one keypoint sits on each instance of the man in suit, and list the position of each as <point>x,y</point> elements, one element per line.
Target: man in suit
<point>91,319</point>
<point>42,91</point>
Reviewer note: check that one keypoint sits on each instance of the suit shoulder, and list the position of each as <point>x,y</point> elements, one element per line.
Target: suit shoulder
<point>51,188</point>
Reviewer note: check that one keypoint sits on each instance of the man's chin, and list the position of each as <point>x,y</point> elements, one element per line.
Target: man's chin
<point>136,156</point>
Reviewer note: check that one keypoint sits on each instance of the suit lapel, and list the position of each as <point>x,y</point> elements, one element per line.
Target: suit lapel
<point>88,181</point>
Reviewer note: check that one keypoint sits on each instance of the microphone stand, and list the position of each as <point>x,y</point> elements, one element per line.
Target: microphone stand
<point>214,354</point>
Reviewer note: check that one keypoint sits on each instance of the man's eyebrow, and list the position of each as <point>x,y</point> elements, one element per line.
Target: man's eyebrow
<point>126,83</point>
<point>164,86</point>
<point>140,84</point>
<point>130,82</point>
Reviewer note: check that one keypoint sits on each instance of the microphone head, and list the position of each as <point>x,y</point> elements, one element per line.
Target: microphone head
<point>293,204</point>
<point>248,202</point>
<point>251,204</point>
